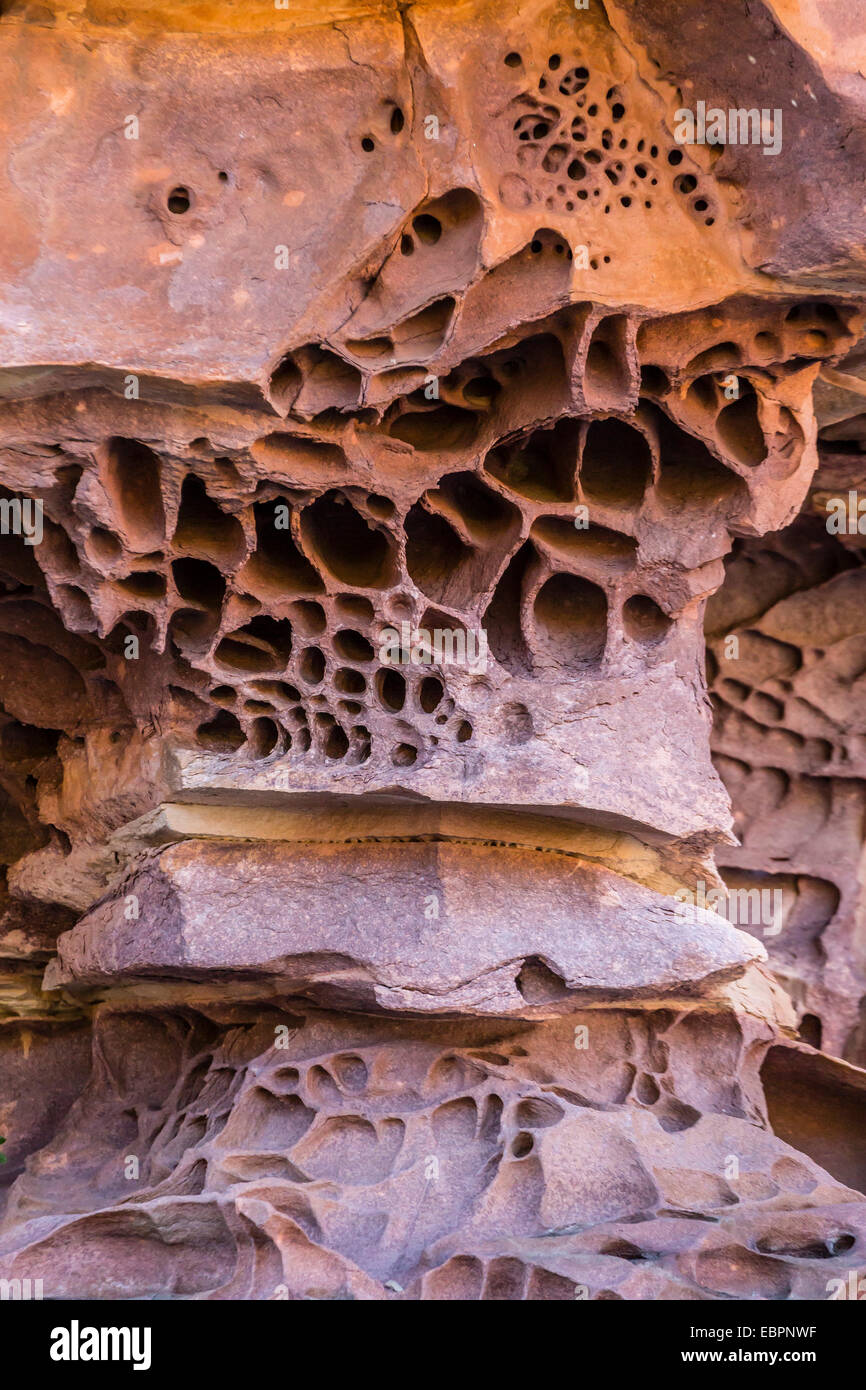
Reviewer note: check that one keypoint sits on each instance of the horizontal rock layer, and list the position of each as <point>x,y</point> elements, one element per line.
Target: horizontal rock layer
<point>426,927</point>
<point>313,1156</point>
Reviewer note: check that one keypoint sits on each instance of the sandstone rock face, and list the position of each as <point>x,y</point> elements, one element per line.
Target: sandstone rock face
<point>789,741</point>
<point>369,1159</point>
<point>432,767</point>
<point>547,930</point>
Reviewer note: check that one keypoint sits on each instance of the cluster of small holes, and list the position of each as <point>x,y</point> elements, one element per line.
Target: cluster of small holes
<point>765,699</point>
<point>427,230</point>
<point>394,123</point>
<point>306,677</point>
<point>575,146</point>
<point>279,625</point>
<point>321,698</point>
<point>180,199</point>
<point>288,621</point>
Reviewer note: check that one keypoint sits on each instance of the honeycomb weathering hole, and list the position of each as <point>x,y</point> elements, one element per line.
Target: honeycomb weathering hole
<point>607,377</point>
<point>503,619</point>
<point>203,528</point>
<point>307,461</point>
<point>442,427</point>
<point>435,554</point>
<point>571,620</point>
<point>484,514</point>
<point>223,734</point>
<point>539,985</point>
<point>132,481</point>
<point>179,200</point>
<point>597,545</point>
<point>689,475</point>
<point>278,568</point>
<point>345,545</point>
<point>200,581</point>
<point>540,467</point>
<point>353,645</point>
<point>616,466</point>
<point>391,686</point>
<point>644,620</point>
<point>740,430</point>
